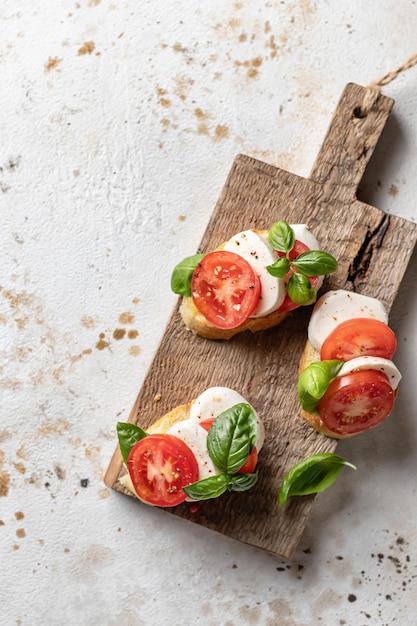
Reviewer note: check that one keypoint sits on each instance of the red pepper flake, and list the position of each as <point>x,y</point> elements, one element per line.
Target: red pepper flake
<point>193,508</point>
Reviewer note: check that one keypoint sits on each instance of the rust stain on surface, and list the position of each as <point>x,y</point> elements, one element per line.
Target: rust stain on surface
<point>4,477</point>
<point>4,483</point>
<point>119,333</point>
<point>53,427</point>
<point>126,318</point>
<point>78,357</point>
<point>183,85</point>
<point>20,467</point>
<point>200,114</point>
<point>102,344</point>
<point>88,322</point>
<point>5,435</point>
<point>221,132</point>
<point>22,453</point>
<point>87,48</point>
<point>202,129</point>
<point>52,63</point>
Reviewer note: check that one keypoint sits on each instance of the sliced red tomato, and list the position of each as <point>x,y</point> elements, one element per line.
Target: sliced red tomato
<point>359,337</point>
<point>206,424</point>
<point>160,466</point>
<point>299,247</point>
<point>356,401</point>
<point>249,466</point>
<point>225,289</point>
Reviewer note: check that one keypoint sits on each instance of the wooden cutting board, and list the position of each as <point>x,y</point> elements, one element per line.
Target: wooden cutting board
<point>373,250</point>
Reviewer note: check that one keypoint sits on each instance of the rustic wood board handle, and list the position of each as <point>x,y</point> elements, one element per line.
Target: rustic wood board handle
<point>373,250</point>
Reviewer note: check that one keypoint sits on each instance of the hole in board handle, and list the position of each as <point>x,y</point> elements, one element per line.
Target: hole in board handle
<point>358,113</point>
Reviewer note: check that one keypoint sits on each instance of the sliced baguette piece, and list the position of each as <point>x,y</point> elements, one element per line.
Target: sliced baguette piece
<point>310,355</point>
<point>197,323</point>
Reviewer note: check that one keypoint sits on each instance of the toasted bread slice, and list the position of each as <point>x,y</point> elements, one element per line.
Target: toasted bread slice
<point>309,355</point>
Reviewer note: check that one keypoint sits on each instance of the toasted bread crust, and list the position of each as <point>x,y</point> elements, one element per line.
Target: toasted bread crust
<point>197,323</point>
<point>165,422</point>
<point>309,355</point>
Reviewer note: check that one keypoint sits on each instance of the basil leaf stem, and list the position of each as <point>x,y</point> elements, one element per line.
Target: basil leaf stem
<point>231,437</point>
<point>312,475</point>
<point>182,274</point>
<point>314,381</point>
<point>128,435</point>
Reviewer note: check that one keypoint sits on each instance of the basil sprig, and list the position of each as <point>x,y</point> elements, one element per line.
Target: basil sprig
<point>230,441</point>
<point>312,475</point>
<point>314,381</point>
<point>310,263</point>
<point>182,274</point>
<point>128,434</point>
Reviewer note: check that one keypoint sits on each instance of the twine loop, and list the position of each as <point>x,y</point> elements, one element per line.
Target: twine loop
<point>373,90</point>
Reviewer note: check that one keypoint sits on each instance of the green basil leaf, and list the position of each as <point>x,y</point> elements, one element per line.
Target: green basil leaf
<point>279,268</point>
<point>243,482</point>
<point>312,475</point>
<point>313,383</point>
<point>300,290</point>
<point>281,236</point>
<point>315,263</point>
<point>207,488</point>
<point>182,274</point>
<point>128,435</point>
<point>231,437</point>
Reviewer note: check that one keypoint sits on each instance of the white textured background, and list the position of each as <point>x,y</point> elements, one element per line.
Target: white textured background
<point>119,123</point>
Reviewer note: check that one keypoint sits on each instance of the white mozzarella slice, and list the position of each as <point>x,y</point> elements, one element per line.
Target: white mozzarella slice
<point>196,439</point>
<point>373,363</point>
<point>304,234</point>
<point>214,401</point>
<point>259,253</point>
<point>335,307</point>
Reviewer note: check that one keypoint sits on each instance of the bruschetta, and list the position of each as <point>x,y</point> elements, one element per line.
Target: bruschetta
<point>348,382</point>
<point>251,281</point>
<point>195,452</point>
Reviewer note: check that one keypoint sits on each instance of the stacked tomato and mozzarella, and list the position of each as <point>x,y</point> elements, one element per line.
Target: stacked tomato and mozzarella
<point>162,463</point>
<point>353,328</point>
<point>243,260</point>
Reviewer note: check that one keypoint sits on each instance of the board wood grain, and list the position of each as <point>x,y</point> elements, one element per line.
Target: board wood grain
<point>373,250</point>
